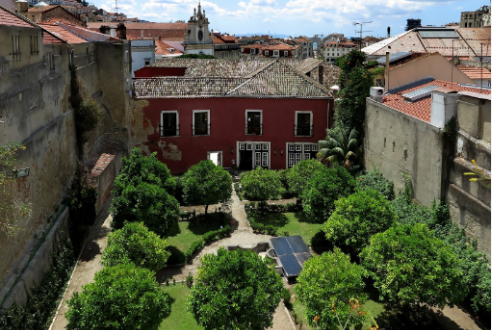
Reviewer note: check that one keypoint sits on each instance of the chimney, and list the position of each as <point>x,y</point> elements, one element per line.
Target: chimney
<point>21,6</point>
<point>389,32</point>
<point>443,107</point>
<point>386,76</point>
<point>121,31</point>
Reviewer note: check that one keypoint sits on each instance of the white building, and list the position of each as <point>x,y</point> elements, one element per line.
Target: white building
<point>143,53</point>
<point>198,40</point>
<point>336,49</point>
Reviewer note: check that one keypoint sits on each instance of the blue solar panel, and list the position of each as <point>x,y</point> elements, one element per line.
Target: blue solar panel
<point>281,246</point>
<point>297,244</point>
<point>290,264</point>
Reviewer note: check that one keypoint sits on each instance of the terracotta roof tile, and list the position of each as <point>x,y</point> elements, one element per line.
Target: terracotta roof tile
<point>218,40</point>
<point>475,73</point>
<point>63,34</point>
<point>42,9</point>
<point>163,49</point>
<point>166,35</point>
<point>50,39</point>
<point>8,18</point>
<point>421,109</point>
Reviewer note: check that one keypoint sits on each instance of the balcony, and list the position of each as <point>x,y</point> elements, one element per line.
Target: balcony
<point>304,130</point>
<point>254,129</point>
<point>200,129</point>
<point>167,131</point>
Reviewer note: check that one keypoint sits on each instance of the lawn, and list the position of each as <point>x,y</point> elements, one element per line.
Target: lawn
<point>191,231</point>
<point>373,308</point>
<point>179,318</point>
<point>293,223</point>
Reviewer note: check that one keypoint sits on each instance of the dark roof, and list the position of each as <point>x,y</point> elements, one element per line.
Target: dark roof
<point>292,252</point>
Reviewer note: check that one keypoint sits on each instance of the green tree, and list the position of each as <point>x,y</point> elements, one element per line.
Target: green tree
<point>121,297</point>
<point>10,209</point>
<point>357,217</point>
<point>341,146</point>
<point>235,290</point>
<point>145,202</point>
<point>326,285</point>
<point>411,266</point>
<point>355,81</point>
<point>299,175</point>
<point>142,193</point>
<point>135,243</point>
<point>205,184</point>
<point>261,184</point>
<point>321,192</point>
<point>376,180</point>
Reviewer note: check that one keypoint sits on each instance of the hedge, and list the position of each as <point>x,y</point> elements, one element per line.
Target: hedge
<point>207,238</point>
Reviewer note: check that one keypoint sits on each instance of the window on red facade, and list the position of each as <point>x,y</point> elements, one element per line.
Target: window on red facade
<point>253,124</point>
<point>201,124</point>
<point>170,125</point>
<point>303,126</point>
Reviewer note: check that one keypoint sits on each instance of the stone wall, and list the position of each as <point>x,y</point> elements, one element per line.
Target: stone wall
<point>396,144</point>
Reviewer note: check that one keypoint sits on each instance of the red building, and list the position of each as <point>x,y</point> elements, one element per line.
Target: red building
<point>249,113</point>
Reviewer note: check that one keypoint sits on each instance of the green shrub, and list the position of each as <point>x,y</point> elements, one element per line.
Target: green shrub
<point>356,218</point>
<point>135,243</point>
<point>299,175</point>
<point>375,180</point>
<point>286,296</point>
<point>121,297</point>
<point>207,238</point>
<point>189,280</point>
<point>261,184</point>
<point>321,192</point>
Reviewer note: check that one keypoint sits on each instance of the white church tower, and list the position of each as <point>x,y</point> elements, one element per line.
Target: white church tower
<point>198,39</point>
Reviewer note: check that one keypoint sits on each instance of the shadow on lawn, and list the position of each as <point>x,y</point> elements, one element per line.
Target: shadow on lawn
<point>170,302</point>
<point>201,225</point>
<point>176,257</point>
<point>303,217</point>
<point>273,219</point>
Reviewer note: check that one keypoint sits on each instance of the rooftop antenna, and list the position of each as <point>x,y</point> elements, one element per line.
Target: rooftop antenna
<point>360,36</point>
<point>116,8</point>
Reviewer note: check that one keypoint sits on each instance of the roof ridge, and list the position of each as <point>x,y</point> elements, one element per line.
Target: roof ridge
<point>257,71</point>
<point>308,79</point>
<point>25,19</point>
<point>250,77</point>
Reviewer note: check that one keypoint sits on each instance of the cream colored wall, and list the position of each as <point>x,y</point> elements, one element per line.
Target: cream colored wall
<point>434,65</point>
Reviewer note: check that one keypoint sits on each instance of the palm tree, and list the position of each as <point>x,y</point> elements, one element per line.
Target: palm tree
<point>341,146</point>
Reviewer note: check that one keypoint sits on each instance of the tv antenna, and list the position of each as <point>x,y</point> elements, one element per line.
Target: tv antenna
<point>360,32</point>
<point>116,8</point>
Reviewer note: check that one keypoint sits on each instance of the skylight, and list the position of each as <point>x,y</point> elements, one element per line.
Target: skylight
<point>420,93</point>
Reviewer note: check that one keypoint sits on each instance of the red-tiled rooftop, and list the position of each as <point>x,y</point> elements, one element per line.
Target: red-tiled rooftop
<point>163,49</point>
<point>11,19</point>
<point>42,9</point>
<point>475,73</point>
<point>63,34</point>
<point>421,109</point>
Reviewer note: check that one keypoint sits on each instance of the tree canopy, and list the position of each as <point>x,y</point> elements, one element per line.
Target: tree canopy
<point>341,146</point>
<point>376,180</point>
<point>299,175</point>
<point>323,189</point>
<point>357,217</point>
<point>261,184</point>
<point>411,266</point>
<point>205,184</point>
<point>135,243</point>
<point>141,193</point>
<point>326,286</point>
<point>121,297</point>
<point>235,290</point>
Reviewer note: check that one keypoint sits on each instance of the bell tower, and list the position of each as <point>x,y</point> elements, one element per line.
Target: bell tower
<point>198,39</point>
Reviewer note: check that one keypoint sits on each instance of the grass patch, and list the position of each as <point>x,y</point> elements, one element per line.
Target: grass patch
<point>191,231</point>
<point>179,318</point>
<point>292,223</point>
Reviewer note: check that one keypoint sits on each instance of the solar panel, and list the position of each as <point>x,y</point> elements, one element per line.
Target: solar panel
<point>290,264</point>
<point>281,246</point>
<point>448,33</point>
<point>292,252</point>
<point>297,244</point>
<point>420,93</point>
<point>394,57</point>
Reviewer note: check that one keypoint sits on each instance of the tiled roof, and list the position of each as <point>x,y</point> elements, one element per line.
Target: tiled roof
<point>163,49</point>
<point>280,80</point>
<point>49,38</point>
<point>306,65</point>
<point>280,47</point>
<point>166,35</point>
<point>218,40</point>
<point>229,38</point>
<point>53,20</point>
<point>8,18</point>
<point>41,9</point>
<point>421,109</point>
<point>213,68</point>
<point>475,73</point>
<point>63,34</point>
<point>272,79</point>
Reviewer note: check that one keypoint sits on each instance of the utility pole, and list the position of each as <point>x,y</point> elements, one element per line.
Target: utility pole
<point>360,35</point>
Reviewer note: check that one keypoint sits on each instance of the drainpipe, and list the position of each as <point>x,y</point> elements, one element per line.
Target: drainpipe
<point>387,76</point>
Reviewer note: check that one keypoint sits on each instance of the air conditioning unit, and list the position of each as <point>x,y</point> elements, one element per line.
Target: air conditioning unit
<point>377,93</point>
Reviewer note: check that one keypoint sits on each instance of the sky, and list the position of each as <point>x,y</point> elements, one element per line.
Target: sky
<point>300,17</point>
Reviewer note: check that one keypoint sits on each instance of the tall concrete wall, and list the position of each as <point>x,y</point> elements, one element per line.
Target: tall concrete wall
<point>35,110</point>
<point>397,144</point>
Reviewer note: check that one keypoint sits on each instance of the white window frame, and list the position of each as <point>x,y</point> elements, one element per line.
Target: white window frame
<point>267,53</point>
<point>252,50</point>
<point>246,121</point>
<point>286,53</point>
<point>177,121</point>
<point>310,122</point>
<point>221,156</point>
<point>208,122</point>
<point>256,147</point>
<point>276,53</point>
<point>297,151</point>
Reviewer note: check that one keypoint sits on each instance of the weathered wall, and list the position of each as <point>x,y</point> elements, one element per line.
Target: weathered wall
<point>35,110</point>
<point>396,143</point>
<point>469,202</point>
